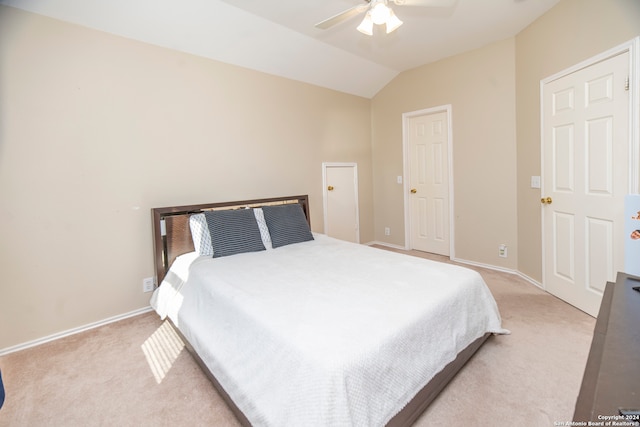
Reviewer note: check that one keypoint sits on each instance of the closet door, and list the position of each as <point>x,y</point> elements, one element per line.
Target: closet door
<point>341,201</point>
<point>585,180</point>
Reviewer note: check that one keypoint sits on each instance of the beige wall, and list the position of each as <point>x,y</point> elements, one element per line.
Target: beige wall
<point>571,32</point>
<point>480,86</point>
<point>96,129</point>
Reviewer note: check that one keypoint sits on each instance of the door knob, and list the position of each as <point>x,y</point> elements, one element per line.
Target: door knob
<point>414,191</point>
<point>330,188</point>
<point>546,200</point>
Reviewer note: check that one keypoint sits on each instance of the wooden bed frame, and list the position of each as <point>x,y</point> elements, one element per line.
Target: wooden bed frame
<point>172,238</point>
<point>172,235</point>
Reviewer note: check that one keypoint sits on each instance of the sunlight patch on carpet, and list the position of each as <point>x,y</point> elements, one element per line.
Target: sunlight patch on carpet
<point>162,349</point>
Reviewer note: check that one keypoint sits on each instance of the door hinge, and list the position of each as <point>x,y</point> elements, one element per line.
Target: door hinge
<point>626,84</point>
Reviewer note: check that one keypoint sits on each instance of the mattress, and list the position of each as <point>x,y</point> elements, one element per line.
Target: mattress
<point>325,332</point>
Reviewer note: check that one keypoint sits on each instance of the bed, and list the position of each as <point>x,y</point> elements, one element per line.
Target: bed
<point>297,328</point>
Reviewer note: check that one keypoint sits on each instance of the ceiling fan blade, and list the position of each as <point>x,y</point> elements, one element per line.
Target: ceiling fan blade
<point>425,3</point>
<point>342,16</point>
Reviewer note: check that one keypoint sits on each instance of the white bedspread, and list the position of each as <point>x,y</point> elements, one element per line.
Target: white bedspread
<point>325,333</point>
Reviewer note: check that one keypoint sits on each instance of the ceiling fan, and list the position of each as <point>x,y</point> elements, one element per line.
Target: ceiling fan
<point>378,12</point>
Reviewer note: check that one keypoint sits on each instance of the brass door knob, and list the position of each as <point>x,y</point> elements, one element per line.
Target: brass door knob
<point>414,191</point>
<point>330,188</point>
<point>546,200</point>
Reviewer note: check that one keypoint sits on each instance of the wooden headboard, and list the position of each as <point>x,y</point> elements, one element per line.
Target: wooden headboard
<point>172,235</point>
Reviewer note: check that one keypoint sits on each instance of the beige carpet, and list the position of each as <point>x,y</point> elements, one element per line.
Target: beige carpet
<point>123,374</point>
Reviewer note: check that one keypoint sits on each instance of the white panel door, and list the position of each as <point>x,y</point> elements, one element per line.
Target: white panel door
<point>341,201</point>
<point>585,179</point>
<point>429,182</point>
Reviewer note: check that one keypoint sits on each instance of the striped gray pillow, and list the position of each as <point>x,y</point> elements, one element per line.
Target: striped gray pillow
<point>233,232</point>
<point>287,224</point>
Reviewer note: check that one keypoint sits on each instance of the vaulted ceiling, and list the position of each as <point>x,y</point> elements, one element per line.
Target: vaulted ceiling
<point>279,37</point>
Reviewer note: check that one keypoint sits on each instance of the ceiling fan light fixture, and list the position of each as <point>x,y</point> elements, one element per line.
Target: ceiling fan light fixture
<point>366,26</point>
<point>380,13</point>
<point>393,22</point>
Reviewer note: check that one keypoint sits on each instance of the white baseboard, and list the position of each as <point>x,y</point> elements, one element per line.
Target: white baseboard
<point>148,309</point>
<point>530,280</point>
<point>504,270</point>
<point>487,266</point>
<point>389,245</point>
<point>475,264</point>
<point>73,331</point>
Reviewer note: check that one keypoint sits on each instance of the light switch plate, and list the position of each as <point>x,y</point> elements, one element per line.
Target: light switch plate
<point>535,182</point>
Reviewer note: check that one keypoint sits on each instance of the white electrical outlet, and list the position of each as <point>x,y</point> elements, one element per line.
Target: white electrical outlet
<point>502,251</point>
<point>387,231</point>
<point>148,284</point>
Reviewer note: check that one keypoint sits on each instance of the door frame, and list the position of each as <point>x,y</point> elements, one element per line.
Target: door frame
<point>325,206</point>
<point>633,47</point>
<point>406,173</point>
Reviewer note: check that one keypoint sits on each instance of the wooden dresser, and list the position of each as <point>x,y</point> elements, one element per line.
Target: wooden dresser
<point>612,374</point>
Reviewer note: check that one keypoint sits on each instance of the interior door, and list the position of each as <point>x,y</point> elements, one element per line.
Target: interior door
<point>585,179</point>
<point>341,214</point>
<point>429,182</point>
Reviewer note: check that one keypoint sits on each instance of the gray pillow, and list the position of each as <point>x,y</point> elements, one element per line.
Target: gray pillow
<point>233,232</point>
<point>287,224</point>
